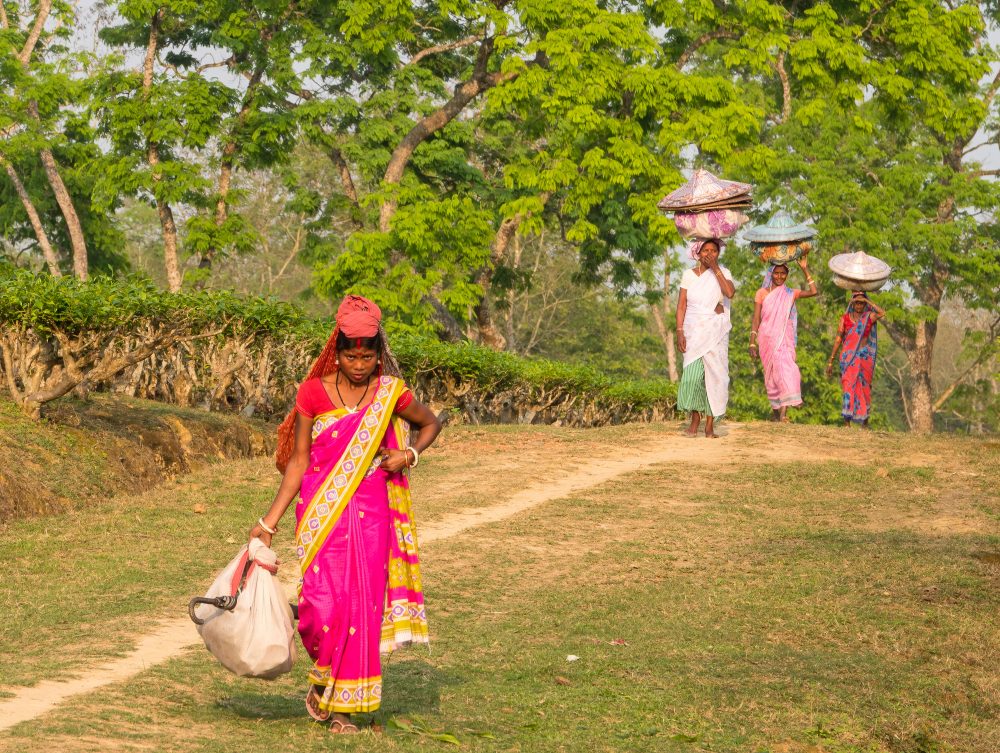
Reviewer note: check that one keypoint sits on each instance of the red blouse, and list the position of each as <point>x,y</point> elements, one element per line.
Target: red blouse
<point>313,399</point>
<point>847,324</point>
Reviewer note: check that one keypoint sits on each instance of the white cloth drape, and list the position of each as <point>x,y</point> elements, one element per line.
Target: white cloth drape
<point>707,333</point>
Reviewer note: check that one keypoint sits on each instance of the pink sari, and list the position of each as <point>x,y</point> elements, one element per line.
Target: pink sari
<point>360,592</point>
<point>777,336</point>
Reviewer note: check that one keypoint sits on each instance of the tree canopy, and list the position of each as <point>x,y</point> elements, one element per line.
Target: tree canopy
<point>449,132</point>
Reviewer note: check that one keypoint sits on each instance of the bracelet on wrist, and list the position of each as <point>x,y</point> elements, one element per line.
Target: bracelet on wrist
<point>416,457</point>
<point>266,527</point>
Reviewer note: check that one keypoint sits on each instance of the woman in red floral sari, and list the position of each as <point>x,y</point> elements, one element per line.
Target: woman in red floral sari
<point>343,450</point>
<point>858,333</point>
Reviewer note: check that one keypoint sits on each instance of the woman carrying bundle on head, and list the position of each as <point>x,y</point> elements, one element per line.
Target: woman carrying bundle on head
<point>858,334</point>
<point>773,336</point>
<point>343,450</point>
<point>703,326</point>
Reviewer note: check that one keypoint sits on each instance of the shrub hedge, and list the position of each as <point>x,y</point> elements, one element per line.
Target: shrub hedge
<point>248,353</point>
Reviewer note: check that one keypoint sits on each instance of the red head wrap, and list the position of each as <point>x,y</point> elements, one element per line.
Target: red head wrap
<point>358,317</point>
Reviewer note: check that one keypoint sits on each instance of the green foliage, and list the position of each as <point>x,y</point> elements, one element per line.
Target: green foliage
<point>65,304</point>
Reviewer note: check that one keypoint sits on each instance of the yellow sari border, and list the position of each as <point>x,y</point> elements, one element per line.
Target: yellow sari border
<point>330,500</point>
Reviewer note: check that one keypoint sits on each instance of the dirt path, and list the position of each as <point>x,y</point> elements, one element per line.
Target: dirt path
<point>170,638</point>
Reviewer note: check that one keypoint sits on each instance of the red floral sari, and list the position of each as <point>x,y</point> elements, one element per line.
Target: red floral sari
<point>857,364</point>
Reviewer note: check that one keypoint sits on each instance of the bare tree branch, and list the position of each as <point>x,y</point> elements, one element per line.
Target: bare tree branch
<point>42,15</point>
<point>786,89</point>
<point>480,81</point>
<point>51,260</point>
<point>991,92</point>
<point>700,42</point>
<point>346,182</point>
<point>985,353</point>
<point>436,49</point>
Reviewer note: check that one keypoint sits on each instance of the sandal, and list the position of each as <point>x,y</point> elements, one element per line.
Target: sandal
<point>312,706</point>
<point>340,727</point>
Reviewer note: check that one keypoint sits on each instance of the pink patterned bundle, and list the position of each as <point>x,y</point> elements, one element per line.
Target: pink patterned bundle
<point>718,223</point>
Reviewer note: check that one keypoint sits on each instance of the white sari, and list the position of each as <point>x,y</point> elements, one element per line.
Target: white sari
<point>707,333</point>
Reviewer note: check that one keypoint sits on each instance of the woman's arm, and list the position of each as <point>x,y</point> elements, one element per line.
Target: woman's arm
<point>291,481</point>
<point>682,305</point>
<point>421,416</point>
<point>810,290</point>
<point>755,328</point>
<point>879,313</point>
<point>836,347</point>
<point>727,286</point>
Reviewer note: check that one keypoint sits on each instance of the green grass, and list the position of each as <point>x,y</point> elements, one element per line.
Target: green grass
<point>833,605</point>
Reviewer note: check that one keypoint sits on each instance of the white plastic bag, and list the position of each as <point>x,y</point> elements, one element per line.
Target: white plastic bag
<point>256,638</point>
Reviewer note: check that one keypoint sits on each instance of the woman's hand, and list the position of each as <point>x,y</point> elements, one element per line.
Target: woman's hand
<point>829,368</point>
<point>259,533</point>
<point>682,344</point>
<point>754,350</point>
<point>393,461</point>
<point>803,264</point>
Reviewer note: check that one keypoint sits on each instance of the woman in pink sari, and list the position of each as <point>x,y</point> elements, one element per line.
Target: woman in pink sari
<point>343,450</point>
<point>774,333</point>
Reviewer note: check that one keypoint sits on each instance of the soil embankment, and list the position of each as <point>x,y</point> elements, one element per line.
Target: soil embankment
<point>109,444</point>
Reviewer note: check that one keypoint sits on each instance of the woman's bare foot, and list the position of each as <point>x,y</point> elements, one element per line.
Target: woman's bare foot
<point>710,428</point>
<point>692,430</point>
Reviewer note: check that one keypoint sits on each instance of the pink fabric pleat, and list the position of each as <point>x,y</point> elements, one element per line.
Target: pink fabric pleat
<point>776,338</point>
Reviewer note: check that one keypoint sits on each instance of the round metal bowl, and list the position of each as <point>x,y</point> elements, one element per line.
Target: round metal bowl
<point>866,285</point>
<point>859,266</point>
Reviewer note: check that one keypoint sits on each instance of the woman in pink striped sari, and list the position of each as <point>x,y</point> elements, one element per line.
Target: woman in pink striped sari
<point>774,333</point>
<point>344,452</point>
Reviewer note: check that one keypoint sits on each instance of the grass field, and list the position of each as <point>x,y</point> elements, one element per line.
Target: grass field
<point>813,590</point>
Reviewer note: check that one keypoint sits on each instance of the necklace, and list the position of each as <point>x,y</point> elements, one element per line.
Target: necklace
<point>343,402</point>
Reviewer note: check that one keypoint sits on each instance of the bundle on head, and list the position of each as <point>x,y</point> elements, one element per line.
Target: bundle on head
<point>359,325</point>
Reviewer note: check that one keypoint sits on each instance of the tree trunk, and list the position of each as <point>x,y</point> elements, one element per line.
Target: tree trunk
<point>662,315</point>
<point>168,227</point>
<point>228,163</point>
<point>489,332</point>
<point>921,393</point>
<point>48,161</point>
<point>73,225</point>
<point>171,261</point>
<point>51,260</point>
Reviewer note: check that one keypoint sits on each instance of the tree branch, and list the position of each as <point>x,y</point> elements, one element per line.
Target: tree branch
<point>700,42</point>
<point>786,89</point>
<point>44,7</point>
<point>346,182</point>
<point>985,353</point>
<point>436,49</point>
<point>991,92</point>
<point>480,81</point>
<point>51,260</point>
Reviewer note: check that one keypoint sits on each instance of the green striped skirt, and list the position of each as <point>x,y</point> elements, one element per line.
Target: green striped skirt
<point>691,393</point>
